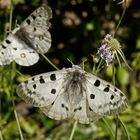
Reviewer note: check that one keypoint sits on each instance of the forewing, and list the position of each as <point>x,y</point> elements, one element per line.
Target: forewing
<point>42,90</point>
<point>36,28</point>
<point>39,18</point>
<point>104,98</point>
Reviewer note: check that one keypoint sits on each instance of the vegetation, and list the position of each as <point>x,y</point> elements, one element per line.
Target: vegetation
<point>78,28</point>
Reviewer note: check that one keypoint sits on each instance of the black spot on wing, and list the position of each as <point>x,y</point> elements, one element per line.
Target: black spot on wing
<point>34,29</point>
<point>113,104</point>
<point>30,92</point>
<point>67,108</point>
<point>53,91</point>
<point>90,109</point>
<point>28,21</point>
<point>32,52</point>
<point>92,96</point>
<point>76,109</point>
<point>80,108</point>
<point>33,16</point>
<point>53,77</point>
<point>63,106</point>
<point>15,49</point>
<point>33,79</point>
<point>4,47</point>
<point>112,97</point>
<point>97,83</point>
<point>41,80</point>
<point>52,103</point>
<point>108,85</point>
<point>8,41</point>
<point>115,90</point>
<point>34,86</point>
<point>106,89</point>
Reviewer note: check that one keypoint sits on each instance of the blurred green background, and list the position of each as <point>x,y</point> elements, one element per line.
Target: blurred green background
<point>78,27</point>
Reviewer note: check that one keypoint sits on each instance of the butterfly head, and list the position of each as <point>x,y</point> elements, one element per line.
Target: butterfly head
<point>75,68</point>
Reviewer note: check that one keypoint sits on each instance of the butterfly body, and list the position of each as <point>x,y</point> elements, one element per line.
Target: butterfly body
<point>72,93</point>
<point>24,44</point>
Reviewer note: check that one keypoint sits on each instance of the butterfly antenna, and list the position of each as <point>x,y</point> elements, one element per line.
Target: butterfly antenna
<point>70,62</point>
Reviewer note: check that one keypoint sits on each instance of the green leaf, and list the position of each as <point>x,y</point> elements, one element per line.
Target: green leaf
<point>109,71</point>
<point>122,76</point>
<point>134,93</point>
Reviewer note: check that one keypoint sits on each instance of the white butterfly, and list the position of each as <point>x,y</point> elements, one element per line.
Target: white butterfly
<point>72,93</point>
<point>24,43</point>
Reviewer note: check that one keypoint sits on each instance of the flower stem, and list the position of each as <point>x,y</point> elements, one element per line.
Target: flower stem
<point>73,130</point>
<point>1,138</point>
<point>109,127</point>
<point>117,120</point>
<point>123,13</point>
<point>12,91</point>
<point>116,130</point>
<point>98,67</point>
<point>11,82</point>
<point>128,137</point>
<point>18,124</point>
<point>123,58</point>
<point>49,61</point>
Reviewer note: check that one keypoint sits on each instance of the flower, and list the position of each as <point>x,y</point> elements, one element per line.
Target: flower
<point>105,51</point>
<point>110,49</point>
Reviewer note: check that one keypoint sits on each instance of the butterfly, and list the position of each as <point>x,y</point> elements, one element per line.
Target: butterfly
<point>72,93</point>
<point>27,40</point>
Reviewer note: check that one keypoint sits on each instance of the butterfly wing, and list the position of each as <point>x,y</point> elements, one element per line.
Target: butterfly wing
<point>28,39</point>
<point>104,98</point>
<point>46,92</point>
<point>59,109</point>
<point>83,114</point>
<point>41,90</point>
<point>5,55</point>
<point>12,49</point>
<point>72,100</point>
<point>72,93</point>
<point>36,28</point>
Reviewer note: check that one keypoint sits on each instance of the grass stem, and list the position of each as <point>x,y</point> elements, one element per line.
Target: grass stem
<point>73,130</point>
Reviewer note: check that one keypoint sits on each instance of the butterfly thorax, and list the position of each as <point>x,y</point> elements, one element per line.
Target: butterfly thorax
<point>75,86</point>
